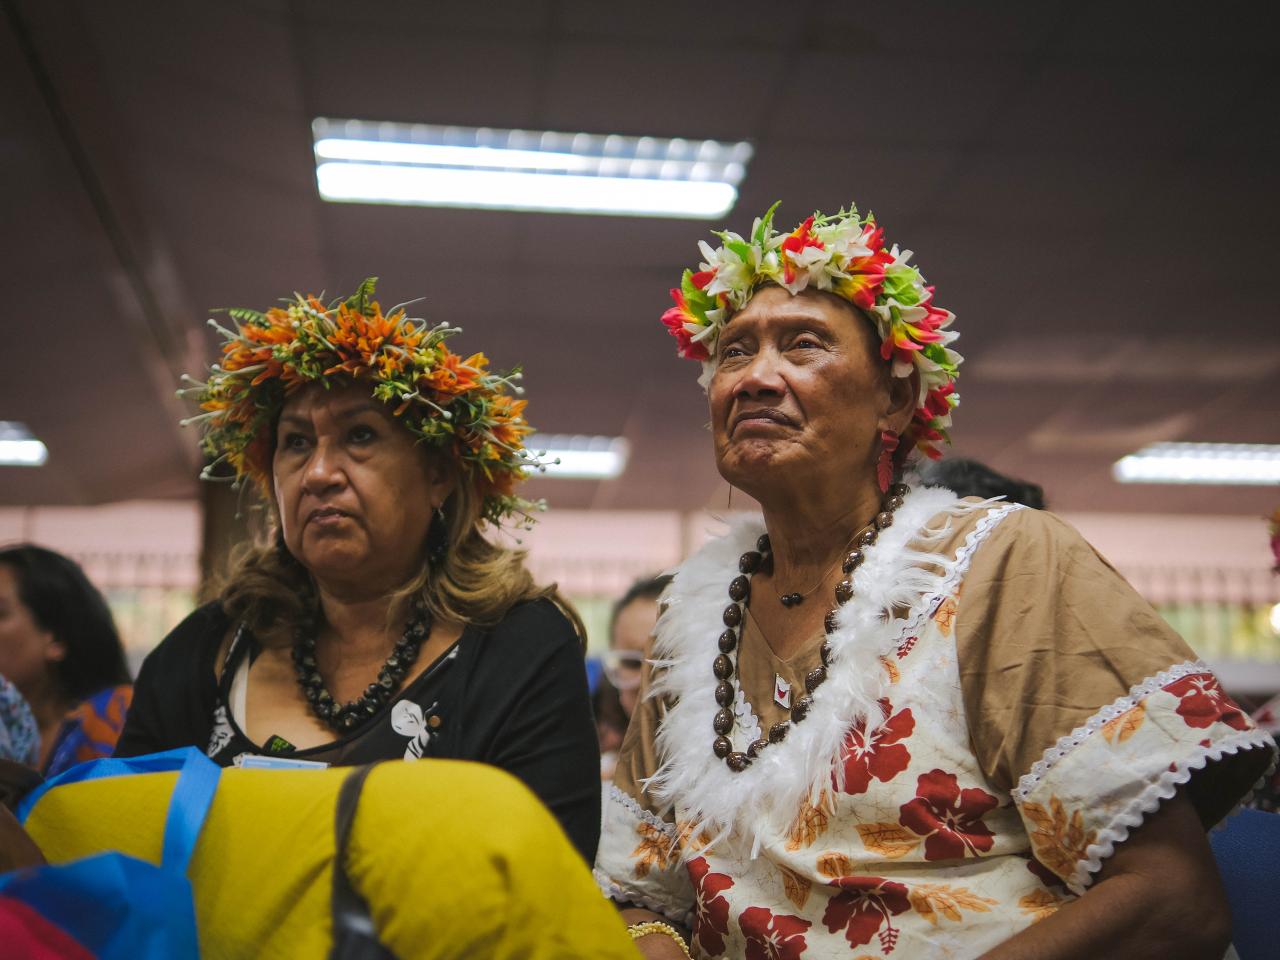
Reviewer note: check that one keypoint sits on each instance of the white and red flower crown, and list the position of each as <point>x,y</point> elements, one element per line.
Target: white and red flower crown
<point>841,254</point>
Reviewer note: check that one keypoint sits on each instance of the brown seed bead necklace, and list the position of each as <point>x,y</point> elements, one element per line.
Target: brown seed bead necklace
<point>725,664</point>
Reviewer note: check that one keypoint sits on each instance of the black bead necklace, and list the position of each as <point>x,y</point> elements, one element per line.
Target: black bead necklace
<point>724,666</point>
<point>344,717</point>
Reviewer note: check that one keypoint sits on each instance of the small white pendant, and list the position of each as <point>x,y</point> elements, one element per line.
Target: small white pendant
<point>781,692</point>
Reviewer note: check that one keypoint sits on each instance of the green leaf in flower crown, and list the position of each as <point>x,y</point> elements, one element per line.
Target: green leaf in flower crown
<point>938,354</point>
<point>760,235</point>
<point>687,286</point>
<point>740,248</point>
<point>363,296</point>
<point>243,315</point>
<point>695,300</point>
<point>900,283</point>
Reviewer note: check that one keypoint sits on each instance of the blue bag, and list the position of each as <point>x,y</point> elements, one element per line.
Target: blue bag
<point>117,906</point>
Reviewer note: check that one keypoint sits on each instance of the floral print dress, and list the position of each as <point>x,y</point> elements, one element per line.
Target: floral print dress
<point>1000,710</point>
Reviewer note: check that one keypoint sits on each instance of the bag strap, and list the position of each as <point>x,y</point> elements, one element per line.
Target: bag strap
<point>188,808</point>
<point>162,762</point>
<point>188,804</point>
<point>354,936</point>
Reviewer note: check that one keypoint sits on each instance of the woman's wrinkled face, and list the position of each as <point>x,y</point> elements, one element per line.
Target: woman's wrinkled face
<point>798,387</point>
<point>354,490</point>
<point>27,652</point>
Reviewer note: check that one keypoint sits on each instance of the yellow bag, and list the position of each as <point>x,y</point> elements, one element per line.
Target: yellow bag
<point>455,859</point>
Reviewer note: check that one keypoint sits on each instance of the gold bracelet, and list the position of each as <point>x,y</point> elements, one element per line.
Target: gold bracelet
<point>638,930</point>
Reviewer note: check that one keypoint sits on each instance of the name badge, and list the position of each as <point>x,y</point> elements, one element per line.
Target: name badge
<point>254,761</point>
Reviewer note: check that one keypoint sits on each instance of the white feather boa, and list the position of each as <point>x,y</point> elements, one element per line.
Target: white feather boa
<point>766,796</point>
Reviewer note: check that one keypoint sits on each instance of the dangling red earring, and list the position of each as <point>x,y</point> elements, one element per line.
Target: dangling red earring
<point>884,466</point>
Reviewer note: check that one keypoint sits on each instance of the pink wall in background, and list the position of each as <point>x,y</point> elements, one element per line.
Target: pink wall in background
<point>601,552</point>
<point>1174,558</point>
<point>144,556</point>
<point>114,542</point>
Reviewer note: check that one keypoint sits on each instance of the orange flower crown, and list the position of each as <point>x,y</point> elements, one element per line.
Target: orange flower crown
<point>451,403</point>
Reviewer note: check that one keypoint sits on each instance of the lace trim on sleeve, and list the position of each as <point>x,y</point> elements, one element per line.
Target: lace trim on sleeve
<point>1029,780</point>
<point>1156,776</point>
<point>628,803</point>
<point>1133,815</point>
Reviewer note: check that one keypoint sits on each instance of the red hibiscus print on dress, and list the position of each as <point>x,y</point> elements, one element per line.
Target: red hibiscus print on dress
<point>879,754</point>
<point>711,913</point>
<point>772,936</point>
<point>863,906</point>
<point>1203,702</point>
<point>950,818</point>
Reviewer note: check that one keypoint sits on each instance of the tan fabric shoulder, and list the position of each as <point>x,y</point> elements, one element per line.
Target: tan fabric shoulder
<point>638,757</point>
<point>1047,632</point>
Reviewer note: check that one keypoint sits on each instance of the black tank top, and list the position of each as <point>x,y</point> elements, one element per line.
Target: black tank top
<point>404,728</point>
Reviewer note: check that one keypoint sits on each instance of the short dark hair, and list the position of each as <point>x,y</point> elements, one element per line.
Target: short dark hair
<point>63,602</point>
<point>969,478</point>
<point>646,588</point>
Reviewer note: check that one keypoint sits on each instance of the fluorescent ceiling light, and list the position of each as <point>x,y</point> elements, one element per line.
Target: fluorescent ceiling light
<point>592,458</point>
<point>1205,463</point>
<point>18,448</point>
<point>425,165</point>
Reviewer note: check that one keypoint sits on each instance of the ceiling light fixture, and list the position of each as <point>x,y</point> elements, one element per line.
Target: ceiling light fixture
<point>589,458</point>
<point>420,164</point>
<point>1255,464</point>
<point>18,448</point>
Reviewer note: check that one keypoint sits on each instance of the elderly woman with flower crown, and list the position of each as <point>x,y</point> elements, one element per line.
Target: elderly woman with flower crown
<point>884,721</point>
<point>379,623</point>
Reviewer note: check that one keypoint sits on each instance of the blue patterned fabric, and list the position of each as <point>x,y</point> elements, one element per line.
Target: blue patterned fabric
<point>19,734</point>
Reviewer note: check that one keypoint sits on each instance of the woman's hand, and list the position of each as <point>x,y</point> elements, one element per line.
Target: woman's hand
<point>1158,896</point>
<point>654,946</point>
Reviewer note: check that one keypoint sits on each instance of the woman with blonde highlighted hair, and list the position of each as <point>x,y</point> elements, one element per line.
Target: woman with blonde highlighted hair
<point>379,622</point>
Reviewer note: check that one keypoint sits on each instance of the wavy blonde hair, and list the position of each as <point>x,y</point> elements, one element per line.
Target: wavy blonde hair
<point>474,581</point>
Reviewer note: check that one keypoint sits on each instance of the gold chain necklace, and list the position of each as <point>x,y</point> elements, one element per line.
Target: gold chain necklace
<point>789,600</point>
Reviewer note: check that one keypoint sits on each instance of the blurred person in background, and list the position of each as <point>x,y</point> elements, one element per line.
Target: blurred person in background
<point>19,751</point>
<point>60,648</point>
<point>969,478</point>
<point>630,633</point>
<point>882,719</point>
<point>379,623</point>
